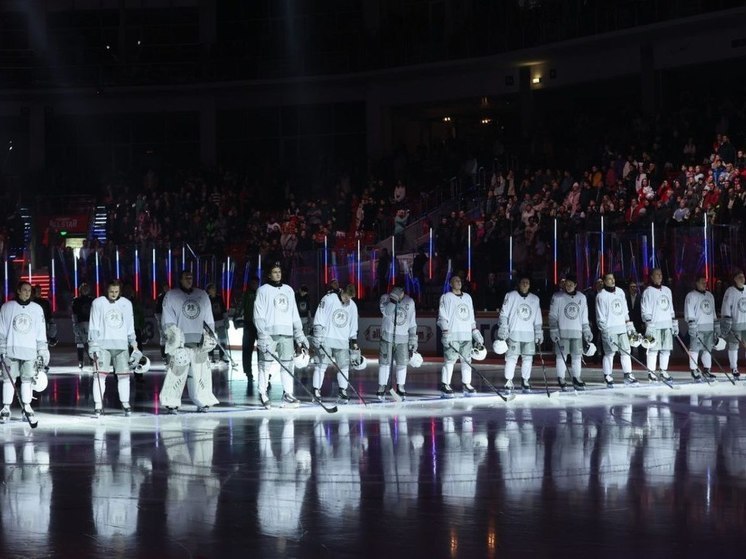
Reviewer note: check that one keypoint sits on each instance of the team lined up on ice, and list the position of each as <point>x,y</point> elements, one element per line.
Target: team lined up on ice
<point>188,329</point>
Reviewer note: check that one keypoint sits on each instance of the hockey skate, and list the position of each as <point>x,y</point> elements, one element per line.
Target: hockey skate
<point>401,392</point>
<point>696,375</point>
<point>509,386</point>
<point>445,390</point>
<point>630,380</point>
<point>381,393</point>
<point>708,375</point>
<point>469,390</point>
<point>578,384</point>
<point>652,377</point>
<point>316,395</point>
<point>5,414</point>
<point>664,375</point>
<point>342,397</point>
<point>525,386</point>
<point>264,401</point>
<point>290,401</point>
<point>562,384</point>
<point>127,410</point>
<point>98,412</point>
<point>608,379</point>
<point>736,374</point>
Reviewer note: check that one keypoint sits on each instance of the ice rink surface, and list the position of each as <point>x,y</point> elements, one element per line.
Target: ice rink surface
<point>645,471</point>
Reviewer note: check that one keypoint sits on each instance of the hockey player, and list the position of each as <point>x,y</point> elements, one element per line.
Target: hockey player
<point>704,330</point>
<point>660,323</point>
<point>186,310</point>
<point>111,332</point>
<point>398,339</point>
<point>220,317</point>
<point>278,328</point>
<point>520,324</point>
<point>80,316</point>
<point>569,329</point>
<point>733,319</point>
<point>615,327</point>
<point>334,336</point>
<point>23,341</point>
<point>459,328</point>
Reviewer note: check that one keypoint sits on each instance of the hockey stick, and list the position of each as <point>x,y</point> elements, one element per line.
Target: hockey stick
<point>212,333</point>
<point>738,339</point>
<point>562,355</point>
<point>98,380</point>
<point>328,409</point>
<point>343,375</point>
<point>643,365</point>
<point>732,381</point>
<point>33,422</point>
<point>491,386</point>
<point>686,351</point>
<point>544,371</point>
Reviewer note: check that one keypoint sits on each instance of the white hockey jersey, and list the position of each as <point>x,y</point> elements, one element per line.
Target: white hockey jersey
<point>734,306</point>
<point>521,316</point>
<point>612,313</point>
<point>568,315</point>
<point>456,316</point>
<point>275,311</point>
<point>22,330</point>
<point>657,307</point>
<point>406,321</point>
<point>699,310</point>
<point>112,325</point>
<point>188,311</point>
<point>334,323</point>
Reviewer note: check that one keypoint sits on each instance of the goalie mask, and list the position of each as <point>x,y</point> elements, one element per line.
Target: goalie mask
<point>500,346</point>
<point>416,360</point>
<point>357,360</point>
<point>300,361</point>
<point>479,352</point>
<point>40,381</point>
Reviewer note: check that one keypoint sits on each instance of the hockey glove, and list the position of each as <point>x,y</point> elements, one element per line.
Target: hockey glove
<point>675,327</point>
<point>301,340</point>
<point>5,359</point>
<point>135,357</point>
<point>539,337</point>
<point>502,333</point>
<point>396,295</point>
<point>412,345</point>
<point>554,336</point>
<point>266,345</point>
<point>446,339</point>
<point>630,328</point>
<point>353,345</point>
<point>725,325</point>
<point>649,331</point>
<point>477,337</point>
<point>44,355</point>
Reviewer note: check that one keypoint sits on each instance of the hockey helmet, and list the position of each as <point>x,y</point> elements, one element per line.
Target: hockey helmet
<point>180,357</point>
<point>142,366</point>
<point>719,344</point>
<point>648,342</point>
<point>301,359</point>
<point>358,360</point>
<point>589,349</point>
<point>40,381</point>
<point>500,346</point>
<point>635,339</point>
<point>478,352</point>
<point>416,360</point>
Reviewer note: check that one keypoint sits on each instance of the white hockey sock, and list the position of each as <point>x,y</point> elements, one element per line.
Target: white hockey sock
<point>401,375</point>
<point>652,359</point>
<point>123,387</point>
<point>576,364</point>
<point>626,362</point>
<point>510,363</point>
<point>446,373</point>
<point>318,376</point>
<point>561,365</point>
<point>693,355</point>
<point>8,392</point>
<point>607,364</point>
<point>287,379</point>
<point>341,380</point>
<point>706,359</point>
<point>262,378</point>
<point>26,392</point>
<point>733,358</point>
<point>465,373</point>
<point>383,374</point>
<point>665,356</point>
<point>526,362</point>
<point>99,385</point>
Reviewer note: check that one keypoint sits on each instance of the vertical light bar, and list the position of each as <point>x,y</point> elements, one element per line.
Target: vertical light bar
<point>98,273</point>
<point>198,276</point>
<point>555,251</point>
<point>5,266</point>
<point>137,271</point>
<point>119,275</point>
<point>259,268</point>
<point>707,255</point>
<point>510,259</point>
<point>430,255</point>
<point>468,253</point>
<point>393,261</point>
<point>358,270</point>
<point>652,243</point>
<point>326,262</point>
<point>29,274</point>
<point>603,248</point>
<point>170,269</point>
<point>75,275</point>
<point>228,282</point>
<point>155,287</point>
<point>183,257</point>
<point>53,288</point>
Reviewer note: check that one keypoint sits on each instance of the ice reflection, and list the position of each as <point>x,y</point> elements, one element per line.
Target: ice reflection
<point>401,452</point>
<point>521,454</point>
<point>572,450</point>
<point>465,448</point>
<point>337,470</point>
<point>25,497</point>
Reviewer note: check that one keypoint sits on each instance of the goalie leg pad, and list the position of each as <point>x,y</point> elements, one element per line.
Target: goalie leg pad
<point>173,387</point>
<point>199,385</point>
